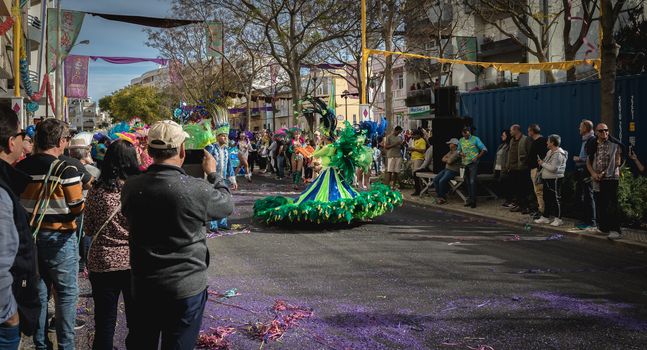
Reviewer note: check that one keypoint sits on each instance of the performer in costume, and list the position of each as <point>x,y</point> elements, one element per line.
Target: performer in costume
<point>330,198</point>
<point>220,151</point>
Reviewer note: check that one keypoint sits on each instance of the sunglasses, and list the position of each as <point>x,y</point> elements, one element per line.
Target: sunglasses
<point>21,133</point>
<point>603,130</point>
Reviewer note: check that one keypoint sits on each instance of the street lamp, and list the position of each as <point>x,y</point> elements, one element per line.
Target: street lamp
<point>345,95</point>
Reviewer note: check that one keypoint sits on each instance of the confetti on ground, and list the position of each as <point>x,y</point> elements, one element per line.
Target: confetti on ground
<point>232,232</point>
<point>512,238</point>
<point>555,237</point>
<point>215,339</point>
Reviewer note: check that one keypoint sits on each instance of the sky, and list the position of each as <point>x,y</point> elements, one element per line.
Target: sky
<point>111,38</point>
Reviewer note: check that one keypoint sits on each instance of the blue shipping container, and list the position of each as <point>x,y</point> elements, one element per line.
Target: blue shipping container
<point>558,109</point>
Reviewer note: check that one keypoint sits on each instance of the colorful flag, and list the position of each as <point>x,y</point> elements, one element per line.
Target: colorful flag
<point>215,47</point>
<point>76,76</point>
<point>71,22</point>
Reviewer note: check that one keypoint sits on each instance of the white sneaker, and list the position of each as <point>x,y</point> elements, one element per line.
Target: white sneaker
<point>542,220</point>
<point>614,235</point>
<point>557,222</point>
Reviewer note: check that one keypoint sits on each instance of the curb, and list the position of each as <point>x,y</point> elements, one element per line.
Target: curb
<point>535,227</point>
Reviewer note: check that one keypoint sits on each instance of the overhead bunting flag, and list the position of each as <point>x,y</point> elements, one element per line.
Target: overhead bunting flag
<point>71,22</point>
<point>76,76</point>
<point>146,21</point>
<point>129,60</point>
<point>215,47</point>
<point>512,67</point>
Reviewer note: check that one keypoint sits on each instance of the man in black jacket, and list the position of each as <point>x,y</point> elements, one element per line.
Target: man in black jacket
<point>167,211</point>
<point>538,150</point>
<point>19,302</point>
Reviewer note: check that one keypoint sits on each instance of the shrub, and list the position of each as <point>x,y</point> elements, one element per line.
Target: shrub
<point>632,196</point>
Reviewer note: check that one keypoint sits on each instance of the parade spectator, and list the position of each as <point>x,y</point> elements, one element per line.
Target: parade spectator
<point>108,258</point>
<point>471,149</point>
<point>244,147</point>
<point>166,210</point>
<point>417,149</point>
<point>584,186</point>
<point>452,169</point>
<point>538,150</point>
<point>79,156</point>
<point>281,150</point>
<point>254,145</point>
<point>634,158</point>
<point>377,156</point>
<point>427,165</point>
<point>271,152</point>
<point>19,301</point>
<point>604,161</point>
<point>500,171</point>
<point>517,168</point>
<point>552,169</point>
<point>55,226</point>
<point>393,146</point>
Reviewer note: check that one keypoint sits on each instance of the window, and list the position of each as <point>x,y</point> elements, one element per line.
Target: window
<point>400,81</point>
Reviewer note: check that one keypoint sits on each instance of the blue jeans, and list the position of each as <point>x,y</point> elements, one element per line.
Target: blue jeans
<point>280,165</point>
<point>58,261</point>
<point>178,322</point>
<point>9,337</point>
<point>471,170</point>
<point>441,182</point>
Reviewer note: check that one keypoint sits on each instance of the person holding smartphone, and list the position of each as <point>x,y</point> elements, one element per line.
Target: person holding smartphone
<point>634,157</point>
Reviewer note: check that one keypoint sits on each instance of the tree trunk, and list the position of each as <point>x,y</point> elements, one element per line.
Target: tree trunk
<point>249,110</point>
<point>608,69</point>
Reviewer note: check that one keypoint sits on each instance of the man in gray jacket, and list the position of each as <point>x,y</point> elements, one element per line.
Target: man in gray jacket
<point>167,211</point>
<point>517,168</point>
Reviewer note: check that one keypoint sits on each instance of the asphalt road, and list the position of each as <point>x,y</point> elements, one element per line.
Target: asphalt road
<point>416,278</point>
<point>419,278</point>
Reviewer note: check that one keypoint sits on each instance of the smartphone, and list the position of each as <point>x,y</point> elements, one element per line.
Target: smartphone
<point>194,156</point>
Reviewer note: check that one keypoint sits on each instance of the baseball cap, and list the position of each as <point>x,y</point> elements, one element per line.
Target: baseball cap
<point>166,134</point>
<point>453,140</point>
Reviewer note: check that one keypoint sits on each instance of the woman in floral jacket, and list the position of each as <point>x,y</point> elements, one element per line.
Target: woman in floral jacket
<point>109,256</point>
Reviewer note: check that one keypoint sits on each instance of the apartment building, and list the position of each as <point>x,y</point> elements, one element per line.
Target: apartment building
<point>158,78</point>
<point>32,14</point>
<point>465,34</point>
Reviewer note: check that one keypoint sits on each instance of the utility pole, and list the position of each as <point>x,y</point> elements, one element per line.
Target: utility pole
<point>59,64</point>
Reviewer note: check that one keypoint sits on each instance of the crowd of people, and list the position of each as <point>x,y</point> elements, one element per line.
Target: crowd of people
<point>54,196</point>
<point>529,169</point>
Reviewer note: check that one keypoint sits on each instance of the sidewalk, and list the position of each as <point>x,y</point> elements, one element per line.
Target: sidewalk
<point>492,209</point>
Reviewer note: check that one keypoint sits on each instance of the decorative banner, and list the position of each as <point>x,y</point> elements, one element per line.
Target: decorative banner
<point>76,76</point>
<point>71,22</point>
<point>215,47</point>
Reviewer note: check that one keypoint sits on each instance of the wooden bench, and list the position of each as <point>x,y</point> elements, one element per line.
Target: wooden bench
<point>456,183</point>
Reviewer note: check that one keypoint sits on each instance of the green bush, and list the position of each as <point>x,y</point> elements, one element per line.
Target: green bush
<point>632,196</point>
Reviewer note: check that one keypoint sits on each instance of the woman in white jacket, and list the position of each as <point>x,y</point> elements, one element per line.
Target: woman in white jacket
<point>553,167</point>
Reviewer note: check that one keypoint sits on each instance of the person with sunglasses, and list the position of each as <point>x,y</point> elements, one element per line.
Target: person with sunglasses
<point>53,221</point>
<point>603,163</point>
<point>19,302</point>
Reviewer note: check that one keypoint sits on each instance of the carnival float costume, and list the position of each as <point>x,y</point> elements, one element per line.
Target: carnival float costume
<point>330,199</point>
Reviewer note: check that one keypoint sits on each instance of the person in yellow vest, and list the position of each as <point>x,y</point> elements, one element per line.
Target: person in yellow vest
<point>418,148</point>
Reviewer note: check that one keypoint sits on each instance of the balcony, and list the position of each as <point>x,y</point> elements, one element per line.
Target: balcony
<point>33,32</point>
<point>501,49</point>
<point>421,97</point>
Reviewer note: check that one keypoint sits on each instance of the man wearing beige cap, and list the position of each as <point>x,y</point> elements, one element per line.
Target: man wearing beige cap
<point>167,211</point>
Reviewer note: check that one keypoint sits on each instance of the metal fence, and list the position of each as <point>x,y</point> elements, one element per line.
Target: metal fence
<point>558,109</point>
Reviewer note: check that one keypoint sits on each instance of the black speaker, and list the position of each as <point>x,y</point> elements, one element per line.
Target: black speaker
<point>446,101</point>
<point>443,129</point>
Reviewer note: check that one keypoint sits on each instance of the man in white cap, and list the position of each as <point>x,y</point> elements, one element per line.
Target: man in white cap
<point>452,167</point>
<point>167,211</point>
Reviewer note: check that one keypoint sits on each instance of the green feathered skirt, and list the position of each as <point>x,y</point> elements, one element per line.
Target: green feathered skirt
<point>328,200</point>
